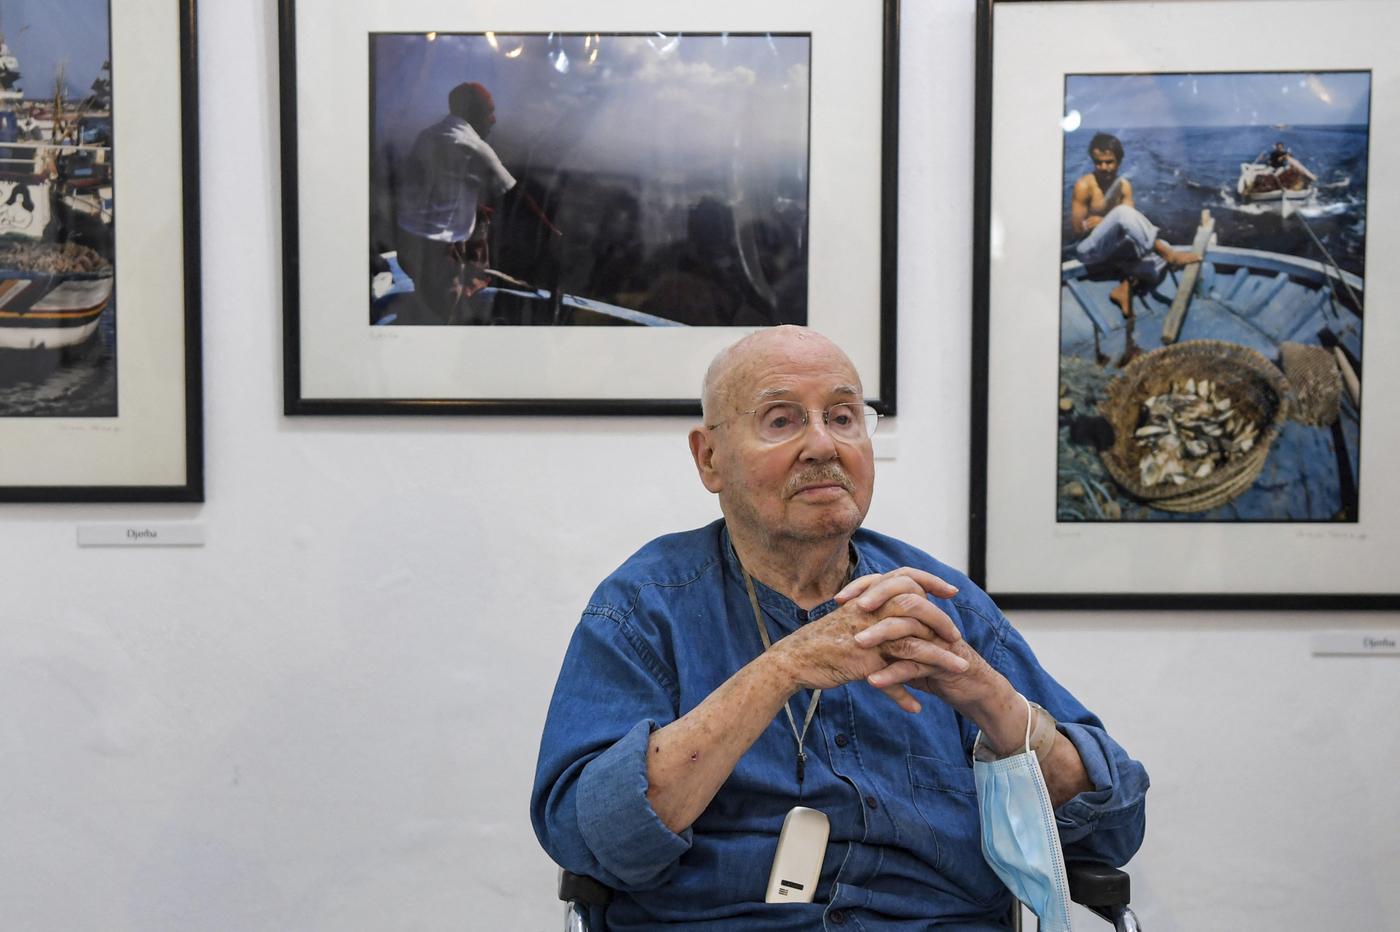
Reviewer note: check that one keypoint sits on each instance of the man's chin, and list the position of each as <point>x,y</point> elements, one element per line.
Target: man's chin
<point>828,523</point>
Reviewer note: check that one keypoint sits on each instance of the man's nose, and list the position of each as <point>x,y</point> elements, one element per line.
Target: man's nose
<point>817,442</point>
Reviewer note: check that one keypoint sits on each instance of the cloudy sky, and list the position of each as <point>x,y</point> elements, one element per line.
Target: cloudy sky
<point>44,33</point>
<point>652,104</point>
<point>1247,99</point>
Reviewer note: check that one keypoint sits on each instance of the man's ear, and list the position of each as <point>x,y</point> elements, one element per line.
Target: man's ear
<point>703,453</point>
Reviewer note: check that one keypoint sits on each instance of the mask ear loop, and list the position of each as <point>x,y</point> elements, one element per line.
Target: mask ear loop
<point>1025,746</point>
<point>1030,717</point>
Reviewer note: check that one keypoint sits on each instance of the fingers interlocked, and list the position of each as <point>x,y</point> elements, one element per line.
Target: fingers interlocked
<point>913,634</point>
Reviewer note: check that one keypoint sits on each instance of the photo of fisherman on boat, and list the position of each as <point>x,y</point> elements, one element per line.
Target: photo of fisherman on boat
<point>1211,296</point>
<point>57,311</point>
<point>588,180</point>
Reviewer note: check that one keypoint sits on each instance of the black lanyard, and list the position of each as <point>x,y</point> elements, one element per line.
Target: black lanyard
<point>798,736</point>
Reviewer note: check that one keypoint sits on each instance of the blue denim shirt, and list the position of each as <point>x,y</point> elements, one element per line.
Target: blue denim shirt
<point>673,623</point>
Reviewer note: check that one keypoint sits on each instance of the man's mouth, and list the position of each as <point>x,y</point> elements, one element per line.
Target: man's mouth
<point>820,491</point>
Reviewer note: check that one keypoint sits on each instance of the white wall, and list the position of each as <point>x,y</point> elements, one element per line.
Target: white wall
<point>326,719</point>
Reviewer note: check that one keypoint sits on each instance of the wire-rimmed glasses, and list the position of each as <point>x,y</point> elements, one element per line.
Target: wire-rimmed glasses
<point>780,421</point>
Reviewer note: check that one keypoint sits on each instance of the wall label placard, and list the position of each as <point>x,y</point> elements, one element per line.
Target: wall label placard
<point>153,534</point>
<point>1356,643</point>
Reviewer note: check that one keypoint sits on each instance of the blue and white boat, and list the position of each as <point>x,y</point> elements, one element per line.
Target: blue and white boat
<point>1251,298</point>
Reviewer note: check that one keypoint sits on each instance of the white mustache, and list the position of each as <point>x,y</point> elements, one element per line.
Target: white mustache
<point>820,475</point>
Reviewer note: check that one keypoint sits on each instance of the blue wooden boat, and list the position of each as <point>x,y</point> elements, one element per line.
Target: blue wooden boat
<point>1256,299</point>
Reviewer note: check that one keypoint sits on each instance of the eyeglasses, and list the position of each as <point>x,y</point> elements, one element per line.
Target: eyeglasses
<point>781,421</point>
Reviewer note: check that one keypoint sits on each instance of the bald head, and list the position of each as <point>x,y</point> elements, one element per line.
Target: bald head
<point>739,365</point>
<point>810,487</point>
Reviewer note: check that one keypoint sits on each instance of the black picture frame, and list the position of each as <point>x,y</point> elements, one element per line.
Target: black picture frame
<point>305,334</point>
<point>1015,553</point>
<point>151,449</point>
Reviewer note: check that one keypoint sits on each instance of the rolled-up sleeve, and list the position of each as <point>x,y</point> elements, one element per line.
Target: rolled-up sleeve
<point>615,818</point>
<point>1105,823</point>
<point>589,805</point>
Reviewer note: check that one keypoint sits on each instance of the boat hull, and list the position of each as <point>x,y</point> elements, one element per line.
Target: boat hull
<point>1274,197</point>
<point>38,313</point>
<point>39,337</point>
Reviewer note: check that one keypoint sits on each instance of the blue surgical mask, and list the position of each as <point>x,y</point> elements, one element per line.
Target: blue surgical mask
<point>1019,838</point>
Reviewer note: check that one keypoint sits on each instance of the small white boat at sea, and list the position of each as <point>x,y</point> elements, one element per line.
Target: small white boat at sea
<point>1260,183</point>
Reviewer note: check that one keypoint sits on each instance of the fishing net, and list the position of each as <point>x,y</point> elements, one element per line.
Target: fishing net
<point>1257,393</point>
<point>1317,385</point>
<point>51,258</point>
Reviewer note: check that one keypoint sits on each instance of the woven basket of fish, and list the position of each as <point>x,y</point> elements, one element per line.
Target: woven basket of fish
<point>1193,423</point>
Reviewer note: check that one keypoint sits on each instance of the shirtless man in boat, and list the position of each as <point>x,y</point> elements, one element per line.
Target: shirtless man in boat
<point>1114,232</point>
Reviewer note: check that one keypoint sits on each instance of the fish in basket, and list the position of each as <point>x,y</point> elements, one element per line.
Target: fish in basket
<point>1193,423</point>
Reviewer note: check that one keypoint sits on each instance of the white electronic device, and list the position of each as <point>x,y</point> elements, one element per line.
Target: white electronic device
<point>798,864</point>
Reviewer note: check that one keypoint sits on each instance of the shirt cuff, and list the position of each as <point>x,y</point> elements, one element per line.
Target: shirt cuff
<point>615,818</point>
<point>1083,811</point>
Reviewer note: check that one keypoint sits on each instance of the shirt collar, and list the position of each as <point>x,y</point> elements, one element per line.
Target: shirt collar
<point>773,601</point>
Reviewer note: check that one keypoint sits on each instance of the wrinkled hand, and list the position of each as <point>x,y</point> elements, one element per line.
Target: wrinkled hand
<point>921,645</point>
<point>823,654</point>
<point>837,649</point>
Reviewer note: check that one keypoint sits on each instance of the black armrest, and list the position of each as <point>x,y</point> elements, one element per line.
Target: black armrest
<point>576,888</point>
<point>1090,885</point>
<point>1093,884</point>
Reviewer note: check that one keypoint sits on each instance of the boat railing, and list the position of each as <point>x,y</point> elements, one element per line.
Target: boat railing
<point>59,148</point>
<point>1259,260</point>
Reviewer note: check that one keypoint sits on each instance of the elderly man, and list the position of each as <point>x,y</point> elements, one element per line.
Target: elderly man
<point>678,739</point>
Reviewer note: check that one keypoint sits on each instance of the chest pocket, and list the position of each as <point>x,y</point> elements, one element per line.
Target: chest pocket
<point>946,797</point>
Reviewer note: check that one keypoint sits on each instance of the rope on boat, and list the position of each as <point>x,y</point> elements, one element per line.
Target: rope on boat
<point>1331,261</point>
<point>1090,487</point>
<point>1100,488</point>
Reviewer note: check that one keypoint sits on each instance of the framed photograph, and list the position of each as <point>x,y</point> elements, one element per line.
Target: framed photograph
<point>555,208</point>
<point>99,253</point>
<point>1179,248</point>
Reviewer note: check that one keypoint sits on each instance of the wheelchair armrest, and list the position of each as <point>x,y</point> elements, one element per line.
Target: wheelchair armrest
<point>577,888</point>
<point>1092,884</point>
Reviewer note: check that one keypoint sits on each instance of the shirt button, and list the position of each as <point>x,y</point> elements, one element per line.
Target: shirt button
<point>872,802</point>
<point>838,917</point>
<point>842,741</point>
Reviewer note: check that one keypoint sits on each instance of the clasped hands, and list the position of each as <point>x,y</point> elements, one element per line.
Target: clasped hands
<point>887,632</point>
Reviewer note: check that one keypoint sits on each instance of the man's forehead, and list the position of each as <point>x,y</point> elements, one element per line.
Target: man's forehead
<point>784,359</point>
<point>779,366</point>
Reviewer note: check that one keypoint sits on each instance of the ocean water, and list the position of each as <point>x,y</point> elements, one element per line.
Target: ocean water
<point>1178,171</point>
